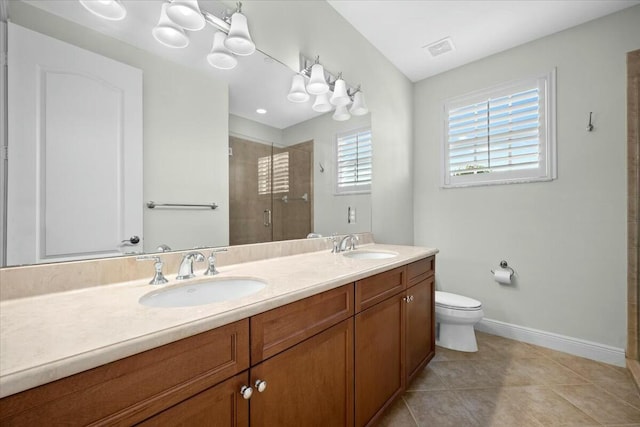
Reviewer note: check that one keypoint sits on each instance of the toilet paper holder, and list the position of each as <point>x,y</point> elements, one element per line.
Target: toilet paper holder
<point>503,264</point>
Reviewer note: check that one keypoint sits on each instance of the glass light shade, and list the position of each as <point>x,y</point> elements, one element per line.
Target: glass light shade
<point>341,113</point>
<point>220,57</point>
<point>317,84</point>
<point>297,93</point>
<point>340,97</point>
<point>112,10</point>
<point>359,107</point>
<point>238,40</point>
<point>167,32</point>
<point>186,13</point>
<point>322,104</point>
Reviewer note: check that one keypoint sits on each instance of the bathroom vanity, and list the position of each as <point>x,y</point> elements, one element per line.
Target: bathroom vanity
<point>335,353</point>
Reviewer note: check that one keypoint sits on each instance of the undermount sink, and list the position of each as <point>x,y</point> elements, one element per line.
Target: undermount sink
<point>201,293</point>
<point>369,254</point>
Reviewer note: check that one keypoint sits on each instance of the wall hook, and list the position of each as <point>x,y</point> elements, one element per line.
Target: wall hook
<point>590,126</point>
<point>321,167</point>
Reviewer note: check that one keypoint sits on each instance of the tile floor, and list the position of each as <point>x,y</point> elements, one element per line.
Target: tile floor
<point>512,384</point>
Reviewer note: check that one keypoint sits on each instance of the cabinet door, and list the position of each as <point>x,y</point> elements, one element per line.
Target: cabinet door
<point>420,326</point>
<point>219,406</point>
<point>379,368</point>
<point>311,384</point>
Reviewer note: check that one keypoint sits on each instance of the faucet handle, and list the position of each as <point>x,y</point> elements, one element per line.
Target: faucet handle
<point>334,241</point>
<point>354,239</point>
<point>158,277</point>
<point>211,269</point>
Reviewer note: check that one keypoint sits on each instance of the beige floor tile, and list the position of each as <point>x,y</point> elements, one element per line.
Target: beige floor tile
<point>397,415</point>
<point>625,390</point>
<point>545,371</point>
<point>592,370</point>
<point>602,406</point>
<point>438,408</point>
<point>494,407</point>
<point>426,380</point>
<point>457,374</point>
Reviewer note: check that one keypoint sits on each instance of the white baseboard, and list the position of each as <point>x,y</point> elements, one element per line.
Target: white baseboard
<point>575,346</point>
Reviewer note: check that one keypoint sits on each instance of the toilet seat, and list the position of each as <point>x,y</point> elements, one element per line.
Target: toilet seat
<point>457,302</point>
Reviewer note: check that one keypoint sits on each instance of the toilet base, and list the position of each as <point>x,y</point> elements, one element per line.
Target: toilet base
<point>456,337</point>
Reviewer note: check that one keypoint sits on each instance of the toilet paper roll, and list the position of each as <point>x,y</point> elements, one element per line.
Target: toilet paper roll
<point>503,276</point>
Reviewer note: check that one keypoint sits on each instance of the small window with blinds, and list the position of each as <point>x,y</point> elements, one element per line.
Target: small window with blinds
<point>354,160</point>
<point>501,135</point>
<point>273,174</point>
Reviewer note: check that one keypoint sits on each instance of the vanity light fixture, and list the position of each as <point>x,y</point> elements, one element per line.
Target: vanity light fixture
<point>330,91</point>
<point>239,40</point>
<point>220,56</point>
<point>187,14</point>
<point>322,104</point>
<point>297,93</point>
<point>317,84</point>
<point>113,10</point>
<point>340,97</point>
<point>169,33</point>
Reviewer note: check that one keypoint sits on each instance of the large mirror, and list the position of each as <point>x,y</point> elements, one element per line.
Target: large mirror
<point>205,143</point>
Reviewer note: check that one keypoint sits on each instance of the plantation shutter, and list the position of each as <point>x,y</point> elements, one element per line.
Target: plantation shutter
<point>499,135</point>
<point>354,161</point>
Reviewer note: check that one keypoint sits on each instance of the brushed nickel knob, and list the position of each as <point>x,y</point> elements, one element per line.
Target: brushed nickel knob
<point>246,392</point>
<point>261,386</point>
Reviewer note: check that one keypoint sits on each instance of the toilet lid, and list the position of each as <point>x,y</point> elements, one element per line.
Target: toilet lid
<point>446,299</point>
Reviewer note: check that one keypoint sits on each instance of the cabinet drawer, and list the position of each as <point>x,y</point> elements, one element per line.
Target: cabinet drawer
<point>374,289</point>
<point>129,390</point>
<point>420,270</point>
<point>283,327</point>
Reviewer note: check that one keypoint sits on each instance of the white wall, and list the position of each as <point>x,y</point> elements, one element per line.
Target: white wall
<point>254,131</point>
<point>185,135</point>
<point>566,239</point>
<point>330,210</point>
<point>285,29</point>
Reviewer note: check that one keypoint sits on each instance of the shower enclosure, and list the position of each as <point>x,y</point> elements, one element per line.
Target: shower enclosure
<point>270,191</point>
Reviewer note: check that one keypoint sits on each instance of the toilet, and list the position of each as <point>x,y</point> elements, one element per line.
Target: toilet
<point>455,317</point>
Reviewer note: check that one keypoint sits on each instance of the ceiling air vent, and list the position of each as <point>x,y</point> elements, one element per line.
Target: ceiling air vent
<point>441,46</point>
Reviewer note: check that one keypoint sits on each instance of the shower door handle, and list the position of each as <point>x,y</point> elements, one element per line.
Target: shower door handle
<point>266,217</point>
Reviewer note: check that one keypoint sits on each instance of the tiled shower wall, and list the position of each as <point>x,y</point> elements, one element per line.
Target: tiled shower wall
<point>290,220</point>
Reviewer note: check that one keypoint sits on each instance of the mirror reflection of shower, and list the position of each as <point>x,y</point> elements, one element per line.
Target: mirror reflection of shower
<point>270,191</point>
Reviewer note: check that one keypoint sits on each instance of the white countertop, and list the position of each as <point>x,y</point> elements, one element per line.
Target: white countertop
<point>48,337</point>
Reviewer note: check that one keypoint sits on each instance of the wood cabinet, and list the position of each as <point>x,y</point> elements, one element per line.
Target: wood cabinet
<point>218,406</point>
<point>132,389</point>
<point>338,358</point>
<point>310,384</point>
<point>420,316</point>
<point>379,368</point>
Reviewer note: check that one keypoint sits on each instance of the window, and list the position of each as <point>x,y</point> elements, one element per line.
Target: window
<point>276,166</point>
<point>501,135</point>
<point>354,160</point>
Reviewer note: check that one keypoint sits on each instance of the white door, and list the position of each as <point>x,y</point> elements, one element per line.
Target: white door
<point>74,186</point>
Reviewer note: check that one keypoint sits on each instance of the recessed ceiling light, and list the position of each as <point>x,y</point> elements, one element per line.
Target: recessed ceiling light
<point>441,46</point>
<point>261,111</point>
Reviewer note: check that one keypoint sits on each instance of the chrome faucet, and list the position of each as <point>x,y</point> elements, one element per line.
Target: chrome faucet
<point>348,243</point>
<point>158,277</point>
<point>186,266</point>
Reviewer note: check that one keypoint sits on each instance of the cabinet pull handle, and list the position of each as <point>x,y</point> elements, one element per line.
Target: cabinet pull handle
<point>405,299</point>
<point>410,298</point>
<point>246,392</point>
<point>261,386</point>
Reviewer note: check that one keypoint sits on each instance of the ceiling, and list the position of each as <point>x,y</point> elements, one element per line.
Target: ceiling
<point>400,29</point>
